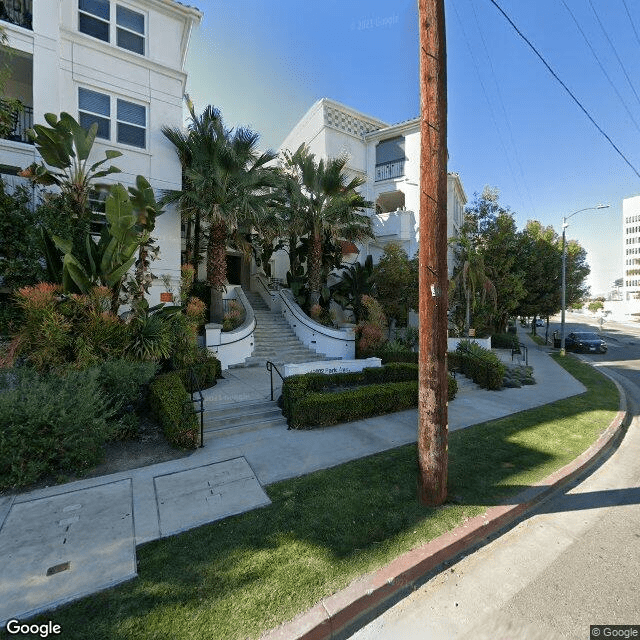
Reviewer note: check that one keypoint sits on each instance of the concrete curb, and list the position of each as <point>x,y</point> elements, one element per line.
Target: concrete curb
<point>358,602</point>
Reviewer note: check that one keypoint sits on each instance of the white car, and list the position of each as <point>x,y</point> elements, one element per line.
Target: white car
<point>540,322</point>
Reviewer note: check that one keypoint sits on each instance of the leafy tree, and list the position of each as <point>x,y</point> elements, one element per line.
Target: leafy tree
<point>396,283</point>
<point>542,262</point>
<point>595,306</point>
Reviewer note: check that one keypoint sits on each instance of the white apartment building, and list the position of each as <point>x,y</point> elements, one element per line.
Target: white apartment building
<point>631,248</point>
<point>120,63</point>
<point>388,157</point>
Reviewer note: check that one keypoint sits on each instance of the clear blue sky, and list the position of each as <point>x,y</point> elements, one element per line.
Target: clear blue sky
<point>510,124</point>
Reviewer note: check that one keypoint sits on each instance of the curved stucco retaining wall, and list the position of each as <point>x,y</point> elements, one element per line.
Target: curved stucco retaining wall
<point>233,347</point>
<point>333,343</point>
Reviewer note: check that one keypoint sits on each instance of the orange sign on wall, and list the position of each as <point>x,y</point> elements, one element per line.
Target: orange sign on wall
<point>166,297</point>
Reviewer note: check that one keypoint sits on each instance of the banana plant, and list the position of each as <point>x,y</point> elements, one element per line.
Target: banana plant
<point>111,257</point>
<point>65,148</point>
<point>147,210</point>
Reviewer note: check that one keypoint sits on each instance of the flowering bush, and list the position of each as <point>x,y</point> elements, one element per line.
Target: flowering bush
<point>195,310</point>
<point>187,276</point>
<point>370,332</point>
<point>234,316</point>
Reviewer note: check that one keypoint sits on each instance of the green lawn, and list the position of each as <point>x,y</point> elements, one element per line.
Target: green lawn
<point>246,574</point>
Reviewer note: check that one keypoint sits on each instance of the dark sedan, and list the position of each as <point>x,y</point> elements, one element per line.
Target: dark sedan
<point>585,342</point>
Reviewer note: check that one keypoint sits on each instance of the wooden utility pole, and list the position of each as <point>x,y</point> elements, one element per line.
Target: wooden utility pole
<point>433,278</point>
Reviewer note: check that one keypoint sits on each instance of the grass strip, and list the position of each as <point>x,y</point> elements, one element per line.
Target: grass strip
<point>241,576</point>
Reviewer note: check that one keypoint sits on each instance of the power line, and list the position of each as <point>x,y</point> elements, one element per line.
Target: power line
<point>606,35</point>
<point>486,97</point>
<point>504,111</point>
<point>564,86</point>
<point>595,55</point>
<point>633,26</point>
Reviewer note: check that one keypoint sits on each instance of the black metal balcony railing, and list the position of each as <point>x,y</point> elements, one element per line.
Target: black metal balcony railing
<point>18,12</point>
<point>387,170</point>
<point>21,120</point>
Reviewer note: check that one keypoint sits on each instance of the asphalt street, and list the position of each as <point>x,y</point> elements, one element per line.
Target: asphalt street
<point>573,563</point>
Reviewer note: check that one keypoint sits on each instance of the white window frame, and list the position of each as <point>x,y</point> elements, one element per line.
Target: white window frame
<point>114,121</point>
<point>114,26</point>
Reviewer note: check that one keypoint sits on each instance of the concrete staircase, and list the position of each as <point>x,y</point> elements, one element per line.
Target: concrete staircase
<point>229,419</point>
<point>275,339</point>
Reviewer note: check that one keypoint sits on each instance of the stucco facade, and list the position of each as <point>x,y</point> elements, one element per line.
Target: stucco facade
<point>631,250</point>
<point>388,158</point>
<point>117,62</point>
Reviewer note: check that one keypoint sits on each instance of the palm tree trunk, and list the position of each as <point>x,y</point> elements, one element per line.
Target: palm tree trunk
<point>217,269</point>
<point>197,231</point>
<point>315,268</point>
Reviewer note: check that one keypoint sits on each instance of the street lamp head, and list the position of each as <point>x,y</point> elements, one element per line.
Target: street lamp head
<point>603,206</point>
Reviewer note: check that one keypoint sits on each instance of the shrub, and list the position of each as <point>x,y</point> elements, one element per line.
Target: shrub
<point>322,409</point>
<point>370,330</point>
<point>479,364</point>
<point>504,341</point>
<point>206,367</point>
<point>516,376</point>
<point>171,404</point>
<point>50,424</point>
<point>234,317</point>
<point>123,382</point>
<point>396,351</point>
<point>311,399</point>
<point>452,387</point>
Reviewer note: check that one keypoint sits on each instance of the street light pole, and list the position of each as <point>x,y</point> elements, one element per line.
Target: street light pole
<point>564,269</point>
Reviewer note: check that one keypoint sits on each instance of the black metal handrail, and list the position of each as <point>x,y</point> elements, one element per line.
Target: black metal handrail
<point>390,169</point>
<point>519,349</point>
<point>22,121</point>
<point>270,368</point>
<point>194,387</point>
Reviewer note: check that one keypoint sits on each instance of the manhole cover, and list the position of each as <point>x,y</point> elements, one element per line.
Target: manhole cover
<point>194,497</point>
<point>61,548</point>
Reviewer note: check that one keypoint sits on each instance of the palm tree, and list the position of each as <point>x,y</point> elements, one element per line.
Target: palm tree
<point>328,205</point>
<point>227,182</point>
<point>471,278</point>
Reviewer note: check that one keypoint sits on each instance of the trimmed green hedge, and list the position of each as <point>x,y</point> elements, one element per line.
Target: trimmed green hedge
<point>207,371</point>
<point>315,399</point>
<point>504,341</point>
<point>171,404</point>
<point>479,364</point>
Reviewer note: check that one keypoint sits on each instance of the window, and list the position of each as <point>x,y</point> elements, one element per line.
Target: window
<point>130,30</point>
<point>132,122</point>
<point>131,118</point>
<point>95,107</point>
<point>98,209</point>
<point>95,17</point>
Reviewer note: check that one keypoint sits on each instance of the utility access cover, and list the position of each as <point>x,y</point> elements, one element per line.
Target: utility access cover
<point>57,549</point>
<point>187,499</point>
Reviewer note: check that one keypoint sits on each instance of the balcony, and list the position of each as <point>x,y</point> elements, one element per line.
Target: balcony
<point>18,12</point>
<point>388,170</point>
<point>14,122</point>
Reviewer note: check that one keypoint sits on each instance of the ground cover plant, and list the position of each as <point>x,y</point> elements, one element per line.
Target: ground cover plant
<point>243,575</point>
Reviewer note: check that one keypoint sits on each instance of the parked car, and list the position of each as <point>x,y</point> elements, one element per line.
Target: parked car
<point>585,342</point>
<point>540,322</point>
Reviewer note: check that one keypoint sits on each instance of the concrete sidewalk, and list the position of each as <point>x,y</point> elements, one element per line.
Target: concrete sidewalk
<point>63,542</point>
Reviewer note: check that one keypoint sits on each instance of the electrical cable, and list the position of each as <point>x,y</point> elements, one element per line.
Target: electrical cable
<point>606,35</point>
<point>604,71</point>
<point>504,111</point>
<point>486,97</point>
<point>564,86</point>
